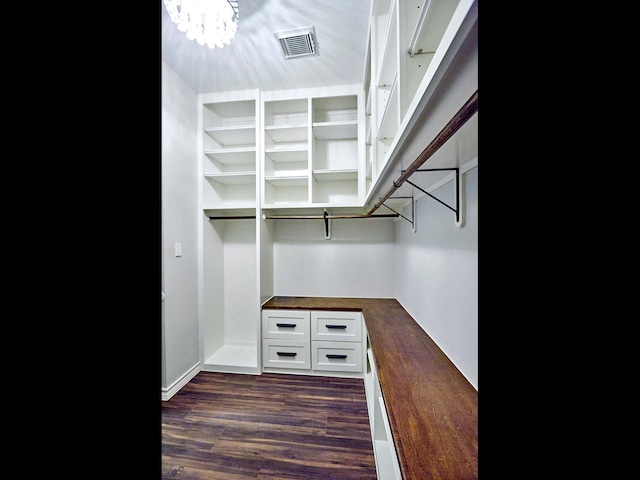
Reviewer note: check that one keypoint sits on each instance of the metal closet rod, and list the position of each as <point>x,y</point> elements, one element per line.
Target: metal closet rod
<point>328,217</point>
<point>231,217</point>
<point>458,120</point>
<point>300,217</point>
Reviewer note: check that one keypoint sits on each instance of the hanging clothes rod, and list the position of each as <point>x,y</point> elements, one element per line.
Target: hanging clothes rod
<point>329,217</point>
<point>232,217</point>
<point>458,120</point>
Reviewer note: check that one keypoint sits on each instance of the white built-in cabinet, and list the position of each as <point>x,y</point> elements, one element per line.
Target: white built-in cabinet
<point>313,147</point>
<point>264,150</point>
<point>313,342</point>
<point>228,154</point>
<point>387,465</point>
<point>410,45</point>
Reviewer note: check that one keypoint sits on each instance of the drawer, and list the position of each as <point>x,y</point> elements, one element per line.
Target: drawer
<point>285,353</point>
<point>286,324</point>
<point>336,356</point>
<point>336,326</point>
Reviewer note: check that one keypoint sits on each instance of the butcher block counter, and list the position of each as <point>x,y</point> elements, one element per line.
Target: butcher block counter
<point>432,408</point>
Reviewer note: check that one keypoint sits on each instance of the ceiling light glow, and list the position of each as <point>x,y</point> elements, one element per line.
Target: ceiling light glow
<point>209,22</point>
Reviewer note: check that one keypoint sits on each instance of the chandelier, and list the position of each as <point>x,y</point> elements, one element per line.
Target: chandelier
<point>210,22</point>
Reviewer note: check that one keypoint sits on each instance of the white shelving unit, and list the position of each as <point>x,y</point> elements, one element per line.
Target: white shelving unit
<point>336,159</point>
<point>313,147</point>
<point>409,42</point>
<point>286,151</point>
<point>228,152</point>
<point>228,142</point>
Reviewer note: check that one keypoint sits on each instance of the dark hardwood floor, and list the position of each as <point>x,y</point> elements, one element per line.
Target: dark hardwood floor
<point>271,426</point>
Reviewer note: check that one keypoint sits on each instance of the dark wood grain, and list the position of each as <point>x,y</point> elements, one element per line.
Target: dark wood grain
<point>432,407</point>
<point>270,426</point>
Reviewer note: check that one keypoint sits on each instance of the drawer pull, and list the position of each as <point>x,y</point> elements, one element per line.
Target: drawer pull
<point>286,354</point>
<point>336,326</point>
<point>330,355</point>
<point>287,325</point>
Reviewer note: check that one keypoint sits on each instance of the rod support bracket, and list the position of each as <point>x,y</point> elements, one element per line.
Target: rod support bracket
<point>327,225</point>
<point>459,192</point>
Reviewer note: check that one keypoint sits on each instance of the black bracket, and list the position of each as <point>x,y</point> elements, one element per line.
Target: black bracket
<point>327,225</point>
<point>456,210</point>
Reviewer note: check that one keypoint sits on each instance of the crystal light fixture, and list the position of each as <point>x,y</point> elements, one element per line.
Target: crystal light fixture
<point>210,22</point>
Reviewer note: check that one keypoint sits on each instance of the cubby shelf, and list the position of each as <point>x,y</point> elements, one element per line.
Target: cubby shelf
<point>335,130</point>
<point>233,156</point>
<point>335,175</point>
<point>233,178</point>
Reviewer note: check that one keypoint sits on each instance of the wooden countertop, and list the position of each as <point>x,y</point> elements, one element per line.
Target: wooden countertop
<point>432,407</point>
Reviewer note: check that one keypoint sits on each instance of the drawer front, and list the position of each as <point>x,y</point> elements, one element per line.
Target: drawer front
<point>336,326</point>
<point>286,324</point>
<point>285,353</point>
<point>336,356</point>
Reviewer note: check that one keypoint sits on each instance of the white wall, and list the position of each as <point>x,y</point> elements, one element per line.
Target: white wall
<point>437,273</point>
<point>358,260</point>
<point>180,340</point>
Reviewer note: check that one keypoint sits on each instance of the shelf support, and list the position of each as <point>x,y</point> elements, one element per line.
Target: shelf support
<point>457,209</point>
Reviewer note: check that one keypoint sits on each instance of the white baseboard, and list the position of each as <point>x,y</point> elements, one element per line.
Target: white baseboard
<point>170,391</point>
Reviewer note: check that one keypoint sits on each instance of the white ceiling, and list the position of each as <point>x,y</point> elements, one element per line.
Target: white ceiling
<point>254,58</point>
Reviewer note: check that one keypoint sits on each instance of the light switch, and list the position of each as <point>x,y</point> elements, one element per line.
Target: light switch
<point>178,249</point>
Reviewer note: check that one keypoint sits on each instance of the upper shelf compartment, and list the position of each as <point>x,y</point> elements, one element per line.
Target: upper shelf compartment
<point>286,122</point>
<point>230,123</point>
<point>335,118</point>
<point>227,149</point>
<point>388,58</point>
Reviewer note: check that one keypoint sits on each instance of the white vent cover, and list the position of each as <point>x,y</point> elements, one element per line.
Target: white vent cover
<point>300,42</point>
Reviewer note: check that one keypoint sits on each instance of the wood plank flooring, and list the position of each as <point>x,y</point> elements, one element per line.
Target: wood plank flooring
<point>224,426</point>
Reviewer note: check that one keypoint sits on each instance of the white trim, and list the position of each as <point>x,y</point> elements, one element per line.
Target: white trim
<point>174,388</point>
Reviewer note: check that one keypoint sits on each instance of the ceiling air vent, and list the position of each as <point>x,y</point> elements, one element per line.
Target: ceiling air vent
<point>300,42</point>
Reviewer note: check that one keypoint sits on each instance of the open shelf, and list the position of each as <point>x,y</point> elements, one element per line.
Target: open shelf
<point>287,154</point>
<point>233,156</point>
<point>232,135</point>
<point>233,178</point>
<point>233,358</point>
<point>335,130</point>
